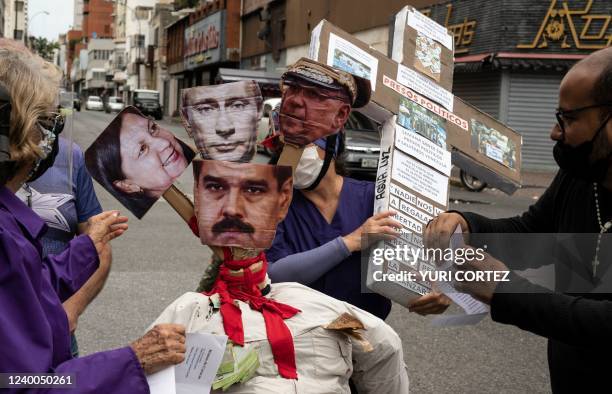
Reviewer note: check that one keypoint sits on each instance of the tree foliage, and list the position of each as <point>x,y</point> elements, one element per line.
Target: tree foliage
<point>43,47</point>
<point>180,4</point>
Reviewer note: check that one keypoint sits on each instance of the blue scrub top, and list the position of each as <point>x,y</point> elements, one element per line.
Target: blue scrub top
<point>305,228</point>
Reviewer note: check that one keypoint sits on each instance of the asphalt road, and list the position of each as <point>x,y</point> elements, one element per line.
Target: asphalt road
<point>159,259</point>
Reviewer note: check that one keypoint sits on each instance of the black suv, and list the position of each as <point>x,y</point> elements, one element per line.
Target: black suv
<point>147,101</point>
<point>362,146</point>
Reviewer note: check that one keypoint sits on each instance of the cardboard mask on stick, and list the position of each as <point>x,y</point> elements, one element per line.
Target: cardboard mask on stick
<point>222,119</point>
<point>240,204</point>
<point>316,101</point>
<point>137,160</point>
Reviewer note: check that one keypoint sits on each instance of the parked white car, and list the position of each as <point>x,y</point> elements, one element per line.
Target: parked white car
<point>94,103</point>
<point>113,104</point>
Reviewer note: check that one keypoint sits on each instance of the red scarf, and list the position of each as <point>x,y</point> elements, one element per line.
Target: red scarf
<point>244,288</point>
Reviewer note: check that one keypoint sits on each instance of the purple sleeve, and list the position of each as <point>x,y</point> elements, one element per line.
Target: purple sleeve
<point>115,371</point>
<point>307,267</point>
<point>25,330</point>
<point>69,270</point>
<point>87,204</point>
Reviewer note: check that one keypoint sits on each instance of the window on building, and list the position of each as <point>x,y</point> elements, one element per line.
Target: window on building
<point>137,40</point>
<point>19,6</point>
<point>19,34</point>
<point>120,59</point>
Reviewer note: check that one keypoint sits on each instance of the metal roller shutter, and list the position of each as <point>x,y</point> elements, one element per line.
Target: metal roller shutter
<point>479,89</point>
<point>532,100</point>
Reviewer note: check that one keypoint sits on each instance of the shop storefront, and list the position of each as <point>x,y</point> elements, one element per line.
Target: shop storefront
<point>509,62</point>
<point>199,44</point>
<point>209,46</point>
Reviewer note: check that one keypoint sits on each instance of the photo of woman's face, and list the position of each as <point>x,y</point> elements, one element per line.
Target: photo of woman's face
<point>137,160</point>
<point>151,157</point>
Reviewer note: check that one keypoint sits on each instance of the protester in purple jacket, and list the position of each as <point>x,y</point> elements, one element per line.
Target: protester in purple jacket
<point>34,334</point>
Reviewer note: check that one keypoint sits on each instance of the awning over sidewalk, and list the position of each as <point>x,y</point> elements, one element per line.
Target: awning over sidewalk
<point>268,81</point>
<point>516,61</point>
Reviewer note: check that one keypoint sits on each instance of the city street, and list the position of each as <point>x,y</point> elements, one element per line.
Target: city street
<point>158,259</point>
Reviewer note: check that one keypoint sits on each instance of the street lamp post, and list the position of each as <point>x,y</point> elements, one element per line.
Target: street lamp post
<point>30,24</point>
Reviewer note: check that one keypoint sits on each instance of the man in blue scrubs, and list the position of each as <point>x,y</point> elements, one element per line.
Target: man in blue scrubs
<point>319,242</point>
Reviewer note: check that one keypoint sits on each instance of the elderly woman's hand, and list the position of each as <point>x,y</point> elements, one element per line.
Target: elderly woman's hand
<point>104,227</point>
<point>161,347</point>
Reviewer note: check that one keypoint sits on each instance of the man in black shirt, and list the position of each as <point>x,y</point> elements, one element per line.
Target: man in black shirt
<point>579,200</point>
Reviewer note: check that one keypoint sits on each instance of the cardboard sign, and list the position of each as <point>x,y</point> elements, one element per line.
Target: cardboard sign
<point>410,182</point>
<point>240,204</point>
<point>222,119</point>
<point>496,161</point>
<point>424,45</point>
<point>137,160</point>
<point>343,55</point>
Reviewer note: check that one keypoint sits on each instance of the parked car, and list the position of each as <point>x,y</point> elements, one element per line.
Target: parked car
<point>362,139</point>
<point>69,100</point>
<point>76,103</point>
<point>94,103</point>
<point>471,183</point>
<point>113,104</point>
<point>147,101</point>
<point>263,128</point>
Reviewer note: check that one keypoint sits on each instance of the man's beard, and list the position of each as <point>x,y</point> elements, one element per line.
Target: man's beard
<point>232,223</point>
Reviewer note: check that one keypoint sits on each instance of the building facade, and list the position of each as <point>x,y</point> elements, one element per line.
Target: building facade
<point>99,51</point>
<point>77,23</point>
<point>156,61</point>
<point>200,44</point>
<point>15,19</point>
<point>97,19</point>
<point>138,15</point>
<point>174,58</point>
<point>509,63</point>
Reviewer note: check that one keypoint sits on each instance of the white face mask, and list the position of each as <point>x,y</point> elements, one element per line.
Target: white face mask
<point>308,169</point>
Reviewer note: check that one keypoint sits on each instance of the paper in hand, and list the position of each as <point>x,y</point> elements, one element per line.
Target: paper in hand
<point>204,353</point>
<point>475,310</point>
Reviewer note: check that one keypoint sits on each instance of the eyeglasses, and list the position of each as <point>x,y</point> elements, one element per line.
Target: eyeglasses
<point>561,114</point>
<point>53,122</point>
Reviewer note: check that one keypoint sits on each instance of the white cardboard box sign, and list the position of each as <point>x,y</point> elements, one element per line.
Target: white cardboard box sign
<point>478,143</point>
<point>420,43</point>
<point>416,187</point>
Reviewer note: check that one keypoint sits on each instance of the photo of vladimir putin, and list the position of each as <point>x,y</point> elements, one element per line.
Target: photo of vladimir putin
<point>222,119</point>
<point>240,204</point>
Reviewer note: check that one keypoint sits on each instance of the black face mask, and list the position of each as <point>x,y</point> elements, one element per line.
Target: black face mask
<point>575,160</point>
